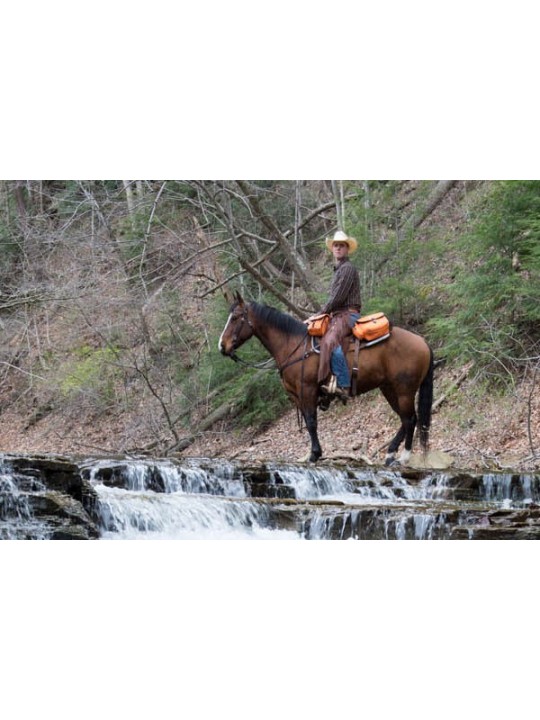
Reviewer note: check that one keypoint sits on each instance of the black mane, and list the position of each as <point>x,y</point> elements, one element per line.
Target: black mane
<point>277,319</point>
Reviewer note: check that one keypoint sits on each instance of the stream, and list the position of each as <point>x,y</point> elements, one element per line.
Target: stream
<point>51,497</point>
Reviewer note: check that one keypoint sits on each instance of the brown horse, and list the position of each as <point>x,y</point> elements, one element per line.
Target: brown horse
<point>400,366</point>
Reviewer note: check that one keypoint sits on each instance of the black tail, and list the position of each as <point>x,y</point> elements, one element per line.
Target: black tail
<point>425,401</point>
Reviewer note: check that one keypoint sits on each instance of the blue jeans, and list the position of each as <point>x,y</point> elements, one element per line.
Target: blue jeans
<point>338,363</point>
<point>339,367</point>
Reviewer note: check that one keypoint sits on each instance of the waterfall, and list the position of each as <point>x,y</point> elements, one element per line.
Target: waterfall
<point>178,516</point>
<point>17,521</point>
<point>191,477</point>
<point>199,498</point>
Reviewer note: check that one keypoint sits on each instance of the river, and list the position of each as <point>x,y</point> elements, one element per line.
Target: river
<point>48,497</point>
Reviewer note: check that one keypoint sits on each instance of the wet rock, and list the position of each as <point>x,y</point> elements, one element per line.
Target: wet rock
<point>257,475</point>
<point>511,532</point>
<point>408,474</point>
<point>503,524</point>
<point>50,498</point>
<point>432,460</point>
<point>267,490</point>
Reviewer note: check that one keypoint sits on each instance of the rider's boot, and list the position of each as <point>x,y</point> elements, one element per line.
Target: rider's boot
<point>330,391</point>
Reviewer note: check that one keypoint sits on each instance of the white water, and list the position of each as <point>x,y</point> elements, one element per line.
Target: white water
<point>175,516</point>
<point>212,499</point>
<point>190,477</point>
<point>208,500</point>
<point>16,520</point>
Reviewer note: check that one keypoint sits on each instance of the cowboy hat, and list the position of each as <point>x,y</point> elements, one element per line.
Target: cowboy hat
<point>340,236</point>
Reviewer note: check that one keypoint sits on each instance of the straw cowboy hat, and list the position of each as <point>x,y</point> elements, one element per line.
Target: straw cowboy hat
<point>340,236</point>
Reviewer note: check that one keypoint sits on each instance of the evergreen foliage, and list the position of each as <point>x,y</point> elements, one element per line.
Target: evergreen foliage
<point>396,268</point>
<point>257,394</point>
<point>493,314</point>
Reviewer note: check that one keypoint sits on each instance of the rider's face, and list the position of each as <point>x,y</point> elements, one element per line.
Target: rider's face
<point>340,250</point>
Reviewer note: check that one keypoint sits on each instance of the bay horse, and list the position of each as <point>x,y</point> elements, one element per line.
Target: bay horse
<point>400,367</point>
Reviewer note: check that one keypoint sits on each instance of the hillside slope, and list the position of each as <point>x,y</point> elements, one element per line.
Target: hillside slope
<point>99,358</point>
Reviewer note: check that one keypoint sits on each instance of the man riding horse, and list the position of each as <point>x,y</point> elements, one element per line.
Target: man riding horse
<point>401,366</point>
<point>343,306</point>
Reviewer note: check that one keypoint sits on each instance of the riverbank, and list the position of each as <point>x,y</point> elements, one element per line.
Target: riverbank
<point>478,431</point>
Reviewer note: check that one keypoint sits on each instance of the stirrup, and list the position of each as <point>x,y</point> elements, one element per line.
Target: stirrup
<point>331,387</point>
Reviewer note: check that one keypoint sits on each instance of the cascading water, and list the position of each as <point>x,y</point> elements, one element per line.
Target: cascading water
<point>167,501</point>
<point>128,515</point>
<point>214,499</point>
<point>17,521</point>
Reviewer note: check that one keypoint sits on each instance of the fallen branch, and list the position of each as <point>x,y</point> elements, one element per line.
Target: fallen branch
<point>528,459</point>
<point>437,195</point>
<point>225,411</point>
<point>529,411</point>
<point>485,456</point>
<point>436,405</point>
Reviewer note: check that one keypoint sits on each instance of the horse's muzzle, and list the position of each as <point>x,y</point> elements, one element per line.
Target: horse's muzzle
<point>228,353</point>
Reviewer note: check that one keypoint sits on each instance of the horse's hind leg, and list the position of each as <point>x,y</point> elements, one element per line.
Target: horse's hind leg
<point>409,424</point>
<point>404,407</point>
<point>393,446</point>
<point>406,431</point>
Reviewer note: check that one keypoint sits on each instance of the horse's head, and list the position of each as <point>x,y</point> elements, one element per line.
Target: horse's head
<point>238,328</point>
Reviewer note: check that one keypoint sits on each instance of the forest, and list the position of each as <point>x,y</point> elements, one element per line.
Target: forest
<point>113,295</point>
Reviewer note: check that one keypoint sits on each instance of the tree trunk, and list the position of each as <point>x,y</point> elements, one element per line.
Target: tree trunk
<point>129,200</point>
<point>309,281</point>
<point>441,189</point>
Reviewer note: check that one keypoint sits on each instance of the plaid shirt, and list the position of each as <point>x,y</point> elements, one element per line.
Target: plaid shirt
<point>345,288</point>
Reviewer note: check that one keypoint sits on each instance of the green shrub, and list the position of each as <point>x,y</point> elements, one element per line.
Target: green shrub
<point>90,372</point>
<point>494,303</point>
<point>259,393</point>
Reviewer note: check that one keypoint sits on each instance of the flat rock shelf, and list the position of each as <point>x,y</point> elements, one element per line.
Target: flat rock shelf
<point>56,497</point>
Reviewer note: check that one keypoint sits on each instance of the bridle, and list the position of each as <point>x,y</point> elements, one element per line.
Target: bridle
<point>244,318</point>
<point>267,364</point>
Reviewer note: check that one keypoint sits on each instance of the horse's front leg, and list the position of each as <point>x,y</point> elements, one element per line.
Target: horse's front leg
<point>310,417</point>
<point>303,391</point>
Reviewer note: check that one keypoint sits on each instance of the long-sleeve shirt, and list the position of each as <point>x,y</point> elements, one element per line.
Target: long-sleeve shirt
<point>345,288</point>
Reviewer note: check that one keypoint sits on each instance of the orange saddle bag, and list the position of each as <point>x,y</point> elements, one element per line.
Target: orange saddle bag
<point>318,325</point>
<point>371,327</point>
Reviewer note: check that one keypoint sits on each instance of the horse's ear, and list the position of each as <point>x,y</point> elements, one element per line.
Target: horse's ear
<point>229,296</point>
<point>239,298</point>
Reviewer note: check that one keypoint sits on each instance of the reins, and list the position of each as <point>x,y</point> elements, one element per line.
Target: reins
<point>267,364</point>
<point>262,365</point>
<point>271,363</point>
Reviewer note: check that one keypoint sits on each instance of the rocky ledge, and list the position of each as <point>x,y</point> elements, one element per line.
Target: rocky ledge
<point>52,497</point>
<point>46,497</point>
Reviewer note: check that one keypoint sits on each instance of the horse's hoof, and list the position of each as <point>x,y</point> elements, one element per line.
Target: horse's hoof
<point>324,402</point>
<point>404,457</point>
<point>390,460</point>
<point>310,457</point>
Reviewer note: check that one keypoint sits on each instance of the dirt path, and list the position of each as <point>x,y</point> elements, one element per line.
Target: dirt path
<point>479,432</point>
